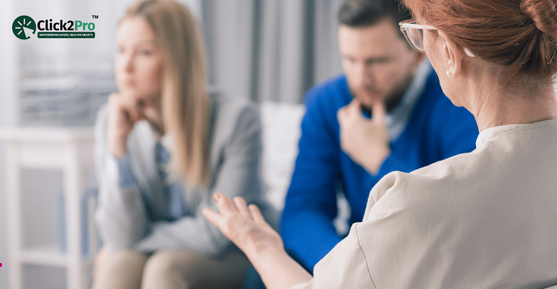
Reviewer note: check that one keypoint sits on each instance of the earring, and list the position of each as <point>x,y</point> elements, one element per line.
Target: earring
<point>468,52</point>
<point>449,73</point>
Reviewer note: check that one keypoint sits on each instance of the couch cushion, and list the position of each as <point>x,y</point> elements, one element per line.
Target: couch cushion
<point>281,133</point>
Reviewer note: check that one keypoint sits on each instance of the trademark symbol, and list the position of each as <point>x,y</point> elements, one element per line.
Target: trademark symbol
<point>95,16</point>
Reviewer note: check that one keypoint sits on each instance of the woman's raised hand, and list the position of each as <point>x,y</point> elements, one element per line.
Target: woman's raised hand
<point>244,225</point>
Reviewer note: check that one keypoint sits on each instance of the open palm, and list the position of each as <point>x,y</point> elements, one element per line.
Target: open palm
<point>244,225</point>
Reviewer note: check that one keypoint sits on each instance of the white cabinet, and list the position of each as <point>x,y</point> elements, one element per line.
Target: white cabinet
<point>69,151</point>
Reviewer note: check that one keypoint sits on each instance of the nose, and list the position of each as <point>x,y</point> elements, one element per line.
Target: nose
<point>124,62</point>
<point>363,76</point>
<point>128,62</point>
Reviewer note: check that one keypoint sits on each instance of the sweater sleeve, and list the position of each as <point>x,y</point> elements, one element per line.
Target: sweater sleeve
<point>311,206</point>
<point>393,163</point>
<point>121,216</point>
<point>238,175</point>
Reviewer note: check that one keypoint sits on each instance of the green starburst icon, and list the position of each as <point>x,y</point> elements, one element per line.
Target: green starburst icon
<point>23,27</point>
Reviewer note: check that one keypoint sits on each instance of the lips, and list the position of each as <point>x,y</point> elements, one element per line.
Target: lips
<point>368,94</point>
<point>370,91</point>
<point>127,83</point>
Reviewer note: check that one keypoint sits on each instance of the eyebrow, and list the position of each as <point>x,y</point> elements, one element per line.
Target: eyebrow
<point>379,58</point>
<point>147,42</point>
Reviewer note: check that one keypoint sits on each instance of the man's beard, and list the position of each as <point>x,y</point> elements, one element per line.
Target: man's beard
<point>394,97</point>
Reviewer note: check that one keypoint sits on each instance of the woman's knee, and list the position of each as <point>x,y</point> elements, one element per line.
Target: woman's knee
<point>161,262</point>
<point>177,268</point>
<point>119,269</point>
<point>167,269</point>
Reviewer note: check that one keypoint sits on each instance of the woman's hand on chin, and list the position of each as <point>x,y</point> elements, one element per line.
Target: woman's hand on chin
<point>122,115</point>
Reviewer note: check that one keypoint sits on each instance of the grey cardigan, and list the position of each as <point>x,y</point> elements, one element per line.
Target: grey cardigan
<point>137,217</point>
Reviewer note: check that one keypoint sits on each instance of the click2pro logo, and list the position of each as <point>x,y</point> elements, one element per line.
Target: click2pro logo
<point>24,26</point>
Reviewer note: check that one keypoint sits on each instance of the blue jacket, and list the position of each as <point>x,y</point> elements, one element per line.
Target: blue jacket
<point>435,130</point>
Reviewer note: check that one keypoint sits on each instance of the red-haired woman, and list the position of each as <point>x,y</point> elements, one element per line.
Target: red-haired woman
<point>485,219</point>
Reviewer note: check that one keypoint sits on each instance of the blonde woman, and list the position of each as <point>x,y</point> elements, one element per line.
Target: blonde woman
<point>164,145</point>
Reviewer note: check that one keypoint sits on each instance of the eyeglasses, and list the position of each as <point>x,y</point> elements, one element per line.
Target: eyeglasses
<point>414,33</point>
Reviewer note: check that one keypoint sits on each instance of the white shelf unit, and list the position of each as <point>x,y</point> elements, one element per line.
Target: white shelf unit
<point>71,152</point>
<point>46,255</point>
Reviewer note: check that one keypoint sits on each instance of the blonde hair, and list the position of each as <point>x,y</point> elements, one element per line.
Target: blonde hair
<point>184,95</point>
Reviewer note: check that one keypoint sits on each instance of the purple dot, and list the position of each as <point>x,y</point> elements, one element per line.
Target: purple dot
<point>0,264</point>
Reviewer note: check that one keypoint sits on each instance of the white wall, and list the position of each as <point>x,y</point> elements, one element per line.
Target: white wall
<point>13,51</point>
<point>3,237</point>
<point>8,115</point>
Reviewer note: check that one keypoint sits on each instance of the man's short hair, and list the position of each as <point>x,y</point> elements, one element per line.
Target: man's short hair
<point>363,13</point>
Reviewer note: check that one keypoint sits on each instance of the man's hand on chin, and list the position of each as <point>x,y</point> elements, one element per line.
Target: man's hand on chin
<point>366,141</point>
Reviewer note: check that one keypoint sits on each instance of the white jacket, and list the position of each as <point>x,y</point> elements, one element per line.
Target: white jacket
<point>485,219</point>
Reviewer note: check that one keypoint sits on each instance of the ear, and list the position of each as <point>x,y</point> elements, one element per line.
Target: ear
<point>452,54</point>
